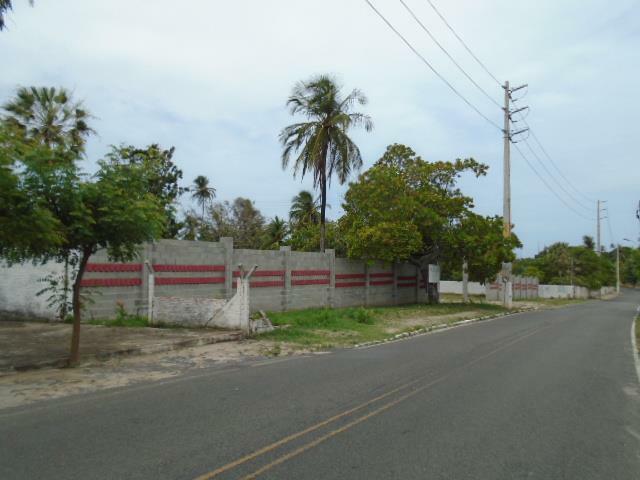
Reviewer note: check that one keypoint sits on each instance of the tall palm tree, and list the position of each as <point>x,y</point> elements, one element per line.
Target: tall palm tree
<point>202,192</point>
<point>304,209</point>
<point>321,143</point>
<point>5,6</point>
<point>50,116</point>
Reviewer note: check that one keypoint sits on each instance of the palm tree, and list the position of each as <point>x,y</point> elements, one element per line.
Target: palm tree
<point>304,209</point>
<point>5,6</point>
<point>202,192</point>
<point>321,144</point>
<point>49,116</point>
<point>275,233</point>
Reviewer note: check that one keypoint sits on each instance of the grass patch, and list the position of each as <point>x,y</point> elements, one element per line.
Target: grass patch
<point>321,328</point>
<point>557,302</point>
<point>128,321</point>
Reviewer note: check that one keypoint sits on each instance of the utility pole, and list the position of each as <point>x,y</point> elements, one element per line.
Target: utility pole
<point>598,228</point>
<point>618,268</point>
<point>506,165</point>
<point>506,158</point>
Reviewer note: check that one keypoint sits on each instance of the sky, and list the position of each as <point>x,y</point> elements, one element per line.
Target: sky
<point>212,79</point>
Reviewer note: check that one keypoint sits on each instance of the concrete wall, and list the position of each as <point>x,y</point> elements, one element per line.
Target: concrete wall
<point>523,288</point>
<point>19,285</point>
<point>449,286</point>
<point>285,280</point>
<point>573,291</point>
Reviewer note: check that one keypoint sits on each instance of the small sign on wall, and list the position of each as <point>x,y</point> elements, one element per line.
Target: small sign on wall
<point>434,274</point>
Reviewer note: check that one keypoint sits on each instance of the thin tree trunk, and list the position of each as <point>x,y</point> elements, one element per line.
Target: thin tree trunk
<point>74,356</point>
<point>65,286</point>
<point>323,194</point>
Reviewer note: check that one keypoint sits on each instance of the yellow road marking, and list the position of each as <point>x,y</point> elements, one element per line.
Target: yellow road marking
<point>298,451</point>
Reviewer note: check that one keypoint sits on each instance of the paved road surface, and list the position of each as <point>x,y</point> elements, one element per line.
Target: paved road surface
<point>545,395</point>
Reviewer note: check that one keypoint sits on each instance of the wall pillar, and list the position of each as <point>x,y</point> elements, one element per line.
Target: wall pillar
<point>227,243</point>
<point>286,258</point>
<point>366,284</point>
<point>330,253</point>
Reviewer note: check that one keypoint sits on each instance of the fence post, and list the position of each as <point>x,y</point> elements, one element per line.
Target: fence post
<point>331,260</point>
<point>227,243</point>
<point>394,270</point>
<point>465,281</point>
<point>286,257</point>
<point>366,284</point>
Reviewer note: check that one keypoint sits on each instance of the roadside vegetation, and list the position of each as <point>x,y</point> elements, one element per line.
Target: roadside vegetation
<point>320,328</point>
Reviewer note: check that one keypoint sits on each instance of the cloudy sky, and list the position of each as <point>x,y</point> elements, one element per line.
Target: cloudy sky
<point>211,78</point>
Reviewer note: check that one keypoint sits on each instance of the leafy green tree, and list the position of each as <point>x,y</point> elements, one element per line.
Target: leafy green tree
<point>239,219</point>
<point>404,208</point>
<point>321,144</point>
<point>588,242</point>
<point>112,210</point>
<point>202,193</point>
<point>276,233</point>
<point>50,116</point>
<point>190,226</point>
<point>5,6</point>
<point>480,241</point>
<point>305,237</point>
<point>304,209</point>
<point>162,177</point>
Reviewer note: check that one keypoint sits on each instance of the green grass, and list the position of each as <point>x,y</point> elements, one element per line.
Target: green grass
<point>318,328</point>
<point>557,302</point>
<point>121,321</point>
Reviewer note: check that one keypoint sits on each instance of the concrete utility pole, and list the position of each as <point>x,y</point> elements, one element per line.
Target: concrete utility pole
<point>506,165</point>
<point>598,228</point>
<point>618,268</point>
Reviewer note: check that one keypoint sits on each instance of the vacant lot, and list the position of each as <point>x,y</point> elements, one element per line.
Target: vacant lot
<point>326,328</point>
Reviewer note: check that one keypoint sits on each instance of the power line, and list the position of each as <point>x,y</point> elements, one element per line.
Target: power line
<point>463,43</point>
<point>444,50</point>
<point>426,62</point>
<point>535,137</point>
<point>552,161</point>
<point>549,186</point>
<point>578,202</point>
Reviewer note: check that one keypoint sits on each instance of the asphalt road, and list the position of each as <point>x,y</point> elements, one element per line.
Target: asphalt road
<point>544,395</point>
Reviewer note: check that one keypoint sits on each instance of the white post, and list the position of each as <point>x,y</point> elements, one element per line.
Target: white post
<point>150,286</point>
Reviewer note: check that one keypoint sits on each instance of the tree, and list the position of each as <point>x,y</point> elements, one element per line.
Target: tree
<point>112,210</point>
<point>161,177</point>
<point>275,234</point>
<point>190,226</point>
<point>404,208</point>
<point>5,6</point>
<point>240,220</point>
<point>304,209</point>
<point>588,242</point>
<point>305,237</point>
<point>321,144</point>
<point>480,241</point>
<point>202,193</point>
<point>49,116</point>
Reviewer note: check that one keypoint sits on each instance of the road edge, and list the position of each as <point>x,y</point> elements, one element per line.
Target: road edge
<point>634,344</point>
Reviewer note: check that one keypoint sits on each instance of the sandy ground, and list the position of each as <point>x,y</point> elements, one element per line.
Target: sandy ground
<point>32,386</point>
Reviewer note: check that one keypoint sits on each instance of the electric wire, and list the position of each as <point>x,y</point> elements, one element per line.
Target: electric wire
<point>428,64</point>
<point>463,43</point>
<point>537,157</point>
<point>549,186</point>
<point>533,134</point>
<point>444,50</point>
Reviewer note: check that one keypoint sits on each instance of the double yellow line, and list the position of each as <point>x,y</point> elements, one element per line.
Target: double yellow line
<point>347,426</point>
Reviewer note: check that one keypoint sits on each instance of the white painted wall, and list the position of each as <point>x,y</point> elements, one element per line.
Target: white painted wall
<point>450,286</point>
<point>562,291</point>
<point>19,285</point>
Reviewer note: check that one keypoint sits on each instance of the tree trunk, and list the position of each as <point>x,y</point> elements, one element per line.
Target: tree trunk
<point>323,195</point>
<point>65,287</point>
<point>74,356</point>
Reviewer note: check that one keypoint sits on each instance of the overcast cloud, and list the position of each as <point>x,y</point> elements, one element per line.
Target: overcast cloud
<point>211,78</point>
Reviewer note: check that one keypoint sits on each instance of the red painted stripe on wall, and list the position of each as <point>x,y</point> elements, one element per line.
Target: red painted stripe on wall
<point>188,268</point>
<point>412,277</point>
<point>263,273</point>
<point>381,282</point>
<point>266,284</point>
<point>110,282</point>
<point>344,276</point>
<point>381,275</point>
<point>313,281</point>
<point>114,267</point>
<point>304,273</point>
<point>188,280</point>
<point>349,284</point>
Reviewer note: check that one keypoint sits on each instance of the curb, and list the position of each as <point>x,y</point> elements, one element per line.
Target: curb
<point>442,326</point>
<point>101,356</point>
